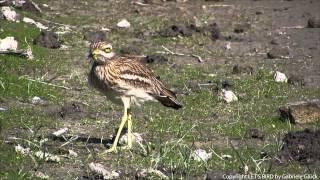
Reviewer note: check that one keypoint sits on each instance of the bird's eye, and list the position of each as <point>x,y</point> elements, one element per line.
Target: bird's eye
<point>107,50</point>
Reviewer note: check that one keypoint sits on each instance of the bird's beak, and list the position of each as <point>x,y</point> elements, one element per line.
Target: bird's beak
<point>95,54</point>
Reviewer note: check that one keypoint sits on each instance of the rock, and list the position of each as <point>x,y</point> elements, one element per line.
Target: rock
<point>280,77</point>
<point>8,43</point>
<point>124,23</point>
<point>8,13</point>
<point>314,22</point>
<point>200,155</point>
<point>238,69</point>
<point>301,112</point>
<point>154,58</point>
<point>37,100</point>
<point>254,134</point>
<point>24,151</point>
<point>228,96</point>
<point>241,28</point>
<point>278,52</point>
<point>31,21</point>
<point>2,109</point>
<point>301,146</point>
<point>96,36</point>
<point>296,80</point>
<point>47,39</point>
<point>136,138</point>
<point>102,170</point>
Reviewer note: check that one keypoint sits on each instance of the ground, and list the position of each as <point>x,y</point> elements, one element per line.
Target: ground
<point>242,43</point>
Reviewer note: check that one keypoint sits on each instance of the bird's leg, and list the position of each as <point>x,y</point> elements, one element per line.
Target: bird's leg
<point>115,143</point>
<point>129,130</point>
<point>129,134</point>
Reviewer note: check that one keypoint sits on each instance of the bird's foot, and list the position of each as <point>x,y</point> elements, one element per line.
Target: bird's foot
<point>110,150</point>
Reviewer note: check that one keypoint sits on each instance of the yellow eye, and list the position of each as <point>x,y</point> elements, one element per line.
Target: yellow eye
<point>107,50</point>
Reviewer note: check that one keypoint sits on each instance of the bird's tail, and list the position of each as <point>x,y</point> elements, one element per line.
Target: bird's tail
<point>169,99</point>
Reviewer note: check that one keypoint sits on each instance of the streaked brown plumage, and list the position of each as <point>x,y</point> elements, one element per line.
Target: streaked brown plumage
<point>126,80</point>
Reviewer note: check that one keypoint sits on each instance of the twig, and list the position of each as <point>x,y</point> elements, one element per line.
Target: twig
<point>59,24</point>
<point>140,3</point>
<point>167,51</point>
<point>36,6</point>
<point>49,84</point>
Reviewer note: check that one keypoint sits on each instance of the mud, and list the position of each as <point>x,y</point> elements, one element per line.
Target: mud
<point>302,146</point>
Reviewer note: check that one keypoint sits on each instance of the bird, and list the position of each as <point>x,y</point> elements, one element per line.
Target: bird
<point>125,80</point>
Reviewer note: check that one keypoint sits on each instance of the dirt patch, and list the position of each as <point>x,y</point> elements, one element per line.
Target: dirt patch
<point>48,39</point>
<point>254,134</point>
<point>178,30</point>
<point>154,58</point>
<point>302,146</point>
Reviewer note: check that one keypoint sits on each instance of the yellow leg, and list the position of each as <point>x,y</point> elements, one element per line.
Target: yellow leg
<point>129,130</point>
<point>129,134</point>
<point>115,143</point>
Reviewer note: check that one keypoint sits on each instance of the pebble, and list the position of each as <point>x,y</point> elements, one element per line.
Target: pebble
<point>8,43</point>
<point>201,155</point>
<point>9,14</point>
<point>280,77</point>
<point>124,23</point>
<point>228,96</point>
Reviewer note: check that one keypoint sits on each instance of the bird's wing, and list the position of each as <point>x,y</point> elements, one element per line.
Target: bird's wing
<point>132,74</point>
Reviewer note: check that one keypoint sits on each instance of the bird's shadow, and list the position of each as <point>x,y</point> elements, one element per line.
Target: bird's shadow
<point>87,139</point>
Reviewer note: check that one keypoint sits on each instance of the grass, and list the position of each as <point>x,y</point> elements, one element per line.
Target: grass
<point>171,136</point>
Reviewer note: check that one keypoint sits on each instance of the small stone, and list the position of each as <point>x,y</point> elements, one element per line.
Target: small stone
<point>228,96</point>
<point>124,23</point>
<point>19,149</point>
<point>278,52</point>
<point>47,39</point>
<point>2,109</point>
<point>37,100</point>
<point>8,13</point>
<point>73,153</point>
<point>201,155</point>
<point>301,112</point>
<point>314,22</point>
<point>8,43</point>
<point>280,77</point>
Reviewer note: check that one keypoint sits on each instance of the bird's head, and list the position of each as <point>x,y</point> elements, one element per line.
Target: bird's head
<point>101,52</point>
